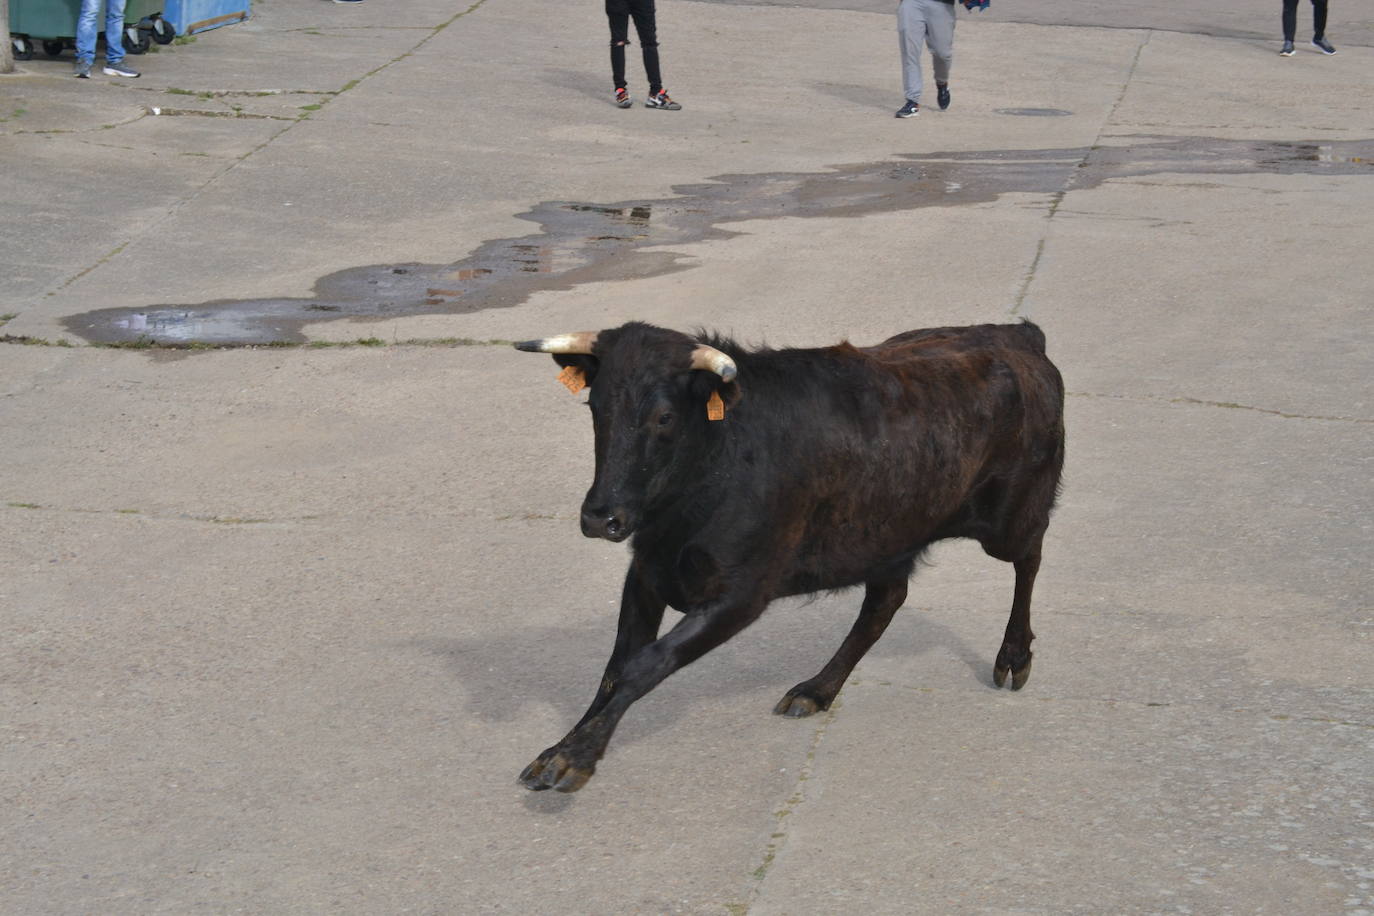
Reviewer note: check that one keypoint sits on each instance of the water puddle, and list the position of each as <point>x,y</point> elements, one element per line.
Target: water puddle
<point>588,242</point>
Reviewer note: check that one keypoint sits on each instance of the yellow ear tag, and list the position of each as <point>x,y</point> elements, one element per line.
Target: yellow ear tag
<point>715,407</point>
<point>573,379</point>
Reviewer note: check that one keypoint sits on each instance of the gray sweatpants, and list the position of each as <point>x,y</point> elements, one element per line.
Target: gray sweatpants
<point>931,22</point>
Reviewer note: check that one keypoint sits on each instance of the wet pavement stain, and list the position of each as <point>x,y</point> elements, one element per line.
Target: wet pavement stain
<point>587,242</point>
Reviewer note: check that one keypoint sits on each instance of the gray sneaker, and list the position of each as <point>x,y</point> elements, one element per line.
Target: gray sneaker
<point>82,69</point>
<point>661,101</point>
<point>119,69</point>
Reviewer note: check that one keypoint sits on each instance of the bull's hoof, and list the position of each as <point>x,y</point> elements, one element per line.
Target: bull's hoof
<point>551,770</point>
<point>1018,677</point>
<point>797,705</point>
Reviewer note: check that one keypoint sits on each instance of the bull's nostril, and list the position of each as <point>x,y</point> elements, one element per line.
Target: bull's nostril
<point>613,526</point>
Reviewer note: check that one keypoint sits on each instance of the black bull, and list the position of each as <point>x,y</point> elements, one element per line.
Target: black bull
<point>830,468</point>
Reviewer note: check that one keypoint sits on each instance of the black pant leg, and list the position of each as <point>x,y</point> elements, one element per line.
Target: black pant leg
<point>1290,19</point>
<point>618,15</point>
<point>1318,18</point>
<point>643,13</point>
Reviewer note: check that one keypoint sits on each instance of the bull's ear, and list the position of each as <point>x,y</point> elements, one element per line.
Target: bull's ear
<point>587,364</point>
<point>705,383</point>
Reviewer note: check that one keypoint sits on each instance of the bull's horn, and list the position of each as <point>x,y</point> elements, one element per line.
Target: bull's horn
<point>712,360</point>
<point>581,342</point>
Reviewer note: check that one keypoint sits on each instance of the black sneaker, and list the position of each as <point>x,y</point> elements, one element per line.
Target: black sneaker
<point>942,95</point>
<point>660,100</point>
<point>909,110</point>
<point>1324,46</point>
<point>1287,50</point>
<point>622,99</point>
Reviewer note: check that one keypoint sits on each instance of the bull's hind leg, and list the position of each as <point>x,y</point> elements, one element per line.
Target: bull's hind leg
<point>881,600</point>
<point>1014,657</point>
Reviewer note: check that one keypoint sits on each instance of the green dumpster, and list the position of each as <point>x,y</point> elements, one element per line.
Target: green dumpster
<point>52,24</point>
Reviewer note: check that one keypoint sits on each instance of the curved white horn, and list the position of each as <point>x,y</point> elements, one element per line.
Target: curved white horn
<point>581,342</point>
<point>712,360</point>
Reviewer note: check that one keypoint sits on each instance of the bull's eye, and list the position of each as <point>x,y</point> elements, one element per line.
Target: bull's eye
<point>665,419</point>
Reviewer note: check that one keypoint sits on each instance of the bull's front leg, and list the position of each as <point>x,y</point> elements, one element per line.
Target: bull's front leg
<point>571,762</point>
<point>641,614</point>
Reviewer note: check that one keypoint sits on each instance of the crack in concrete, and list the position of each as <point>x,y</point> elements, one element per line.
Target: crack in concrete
<point>1017,309</point>
<point>777,841</point>
<point>1134,704</point>
<point>232,520</point>
<point>1227,405</point>
<point>374,343</point>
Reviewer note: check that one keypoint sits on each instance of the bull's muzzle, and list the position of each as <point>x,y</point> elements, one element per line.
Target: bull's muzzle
<point>610,524</point>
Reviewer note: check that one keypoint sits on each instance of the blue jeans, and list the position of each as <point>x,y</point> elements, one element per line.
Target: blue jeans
<point>114,30</point>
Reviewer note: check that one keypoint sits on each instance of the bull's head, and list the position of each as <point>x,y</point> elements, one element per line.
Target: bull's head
<point>649,393</point>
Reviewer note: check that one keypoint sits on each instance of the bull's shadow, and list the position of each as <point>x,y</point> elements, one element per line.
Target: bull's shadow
<point>560,665</point>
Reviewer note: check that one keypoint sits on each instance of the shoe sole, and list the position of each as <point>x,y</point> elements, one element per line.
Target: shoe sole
<point>625,104</point>
<point>1323,50</point>
<point>911,115</point>
<point>108,72</point>
<point>1287,53</point>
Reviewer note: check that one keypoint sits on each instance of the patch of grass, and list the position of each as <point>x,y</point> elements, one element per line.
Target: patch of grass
<point>24,505</point>
<point>314,107</point>
<point>6,318</point>
<point>184,40</point>
<point>172,90</point>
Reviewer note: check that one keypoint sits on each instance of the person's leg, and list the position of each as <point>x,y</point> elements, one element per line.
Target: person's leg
<point>618,15</point>
<point>940,38</point>
<point>1319,28</point>
<point>647,29</point>
<point>86,30</point>
<point>911,34</point>
<point>114,31</point>
<point>1290,19</point>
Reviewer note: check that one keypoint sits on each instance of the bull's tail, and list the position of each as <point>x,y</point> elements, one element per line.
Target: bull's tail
<point>1031,333</point>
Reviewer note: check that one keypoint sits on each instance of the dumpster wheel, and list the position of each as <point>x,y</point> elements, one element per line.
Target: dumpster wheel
<point>163,32</point>
<point>23,48</point>
<point>53,47</point>
<point>135,40</point>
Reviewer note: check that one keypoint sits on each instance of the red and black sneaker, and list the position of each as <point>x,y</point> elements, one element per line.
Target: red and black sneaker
<point>622,99</point>
<point>660,100</point>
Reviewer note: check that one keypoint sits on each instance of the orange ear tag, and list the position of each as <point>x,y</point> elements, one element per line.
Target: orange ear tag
<point>573,379</point>
<point>715,407</point>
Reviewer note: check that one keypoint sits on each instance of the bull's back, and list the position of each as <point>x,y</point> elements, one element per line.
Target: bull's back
<point>944,411</point>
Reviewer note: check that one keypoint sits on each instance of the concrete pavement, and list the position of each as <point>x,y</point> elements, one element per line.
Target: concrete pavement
<point>282,624</point>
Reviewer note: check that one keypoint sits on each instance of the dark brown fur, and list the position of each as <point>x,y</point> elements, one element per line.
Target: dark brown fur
<point>833,467</point>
